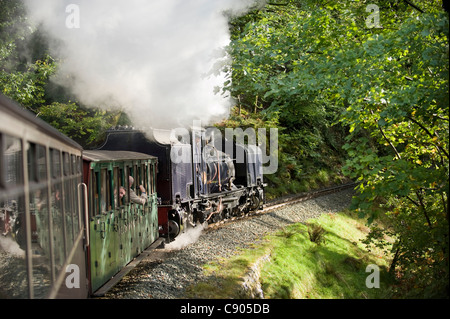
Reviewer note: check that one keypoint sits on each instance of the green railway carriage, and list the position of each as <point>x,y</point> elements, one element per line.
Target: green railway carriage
<point>42,233</point>
<point>119,229</point>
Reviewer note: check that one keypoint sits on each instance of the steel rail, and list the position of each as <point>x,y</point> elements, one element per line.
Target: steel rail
<point>281,202</point>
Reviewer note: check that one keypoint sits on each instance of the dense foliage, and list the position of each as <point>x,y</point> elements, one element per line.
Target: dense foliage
<point>382,71</point>
<point>267,82</point>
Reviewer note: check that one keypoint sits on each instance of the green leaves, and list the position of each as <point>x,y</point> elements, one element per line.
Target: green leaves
<point>401,104</point>
<point>28,87</point>
<point>317,63</point>
<point>83,125</point>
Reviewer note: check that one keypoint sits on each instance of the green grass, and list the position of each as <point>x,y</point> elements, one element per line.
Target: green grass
<point>299,268</point>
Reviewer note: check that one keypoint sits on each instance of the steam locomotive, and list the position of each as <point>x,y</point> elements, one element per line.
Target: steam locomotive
<point>68,220</point>
<point>197,181</point>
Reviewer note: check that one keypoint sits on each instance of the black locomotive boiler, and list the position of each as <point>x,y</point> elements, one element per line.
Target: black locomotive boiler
<point>197,180</point>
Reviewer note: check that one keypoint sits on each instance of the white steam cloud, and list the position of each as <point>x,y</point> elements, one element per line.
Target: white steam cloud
<point>11,247</point>
<point>155,59</point>
<point>187,238</point>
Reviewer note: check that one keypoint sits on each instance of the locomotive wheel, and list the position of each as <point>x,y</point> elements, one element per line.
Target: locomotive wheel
<point>174,228</point>
<point>255,201</point>
<point>216,217</point>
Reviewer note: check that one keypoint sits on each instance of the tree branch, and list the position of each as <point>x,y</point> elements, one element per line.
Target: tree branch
<point>414,6</point>
<point>440,117</point>
<point>413,201</point>
<point>277,4</point>
<point>387,140</point>
<point>423,209</point>
<point>429,133</point>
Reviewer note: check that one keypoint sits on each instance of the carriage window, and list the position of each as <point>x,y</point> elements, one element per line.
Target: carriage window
<point>73,164</point>
<point>150,178</point>
<point>57,209</point>
<point>72,210</point>
<point>128,186</point>
<point>116,186</point>
<point>119,187</point>
<point>55,163</point>
<point>95,202</point>
<point>124,175</point>
<point>37,163</point>
<point>12,222</point>
<point>130,173</point>
<point>154,167</point>
<point>145,178</point>
<point>109,189</point>
<point>66,164</point>
<point>76,180</point>
<point>42,163</point>
<point>31,162</point>
<point>12,152</point>
<point>78,164</point>
<point>69,202</point>
<point>140,178</point>
<point>136,183</point>
<point>105,191</point>
<point>40,220</point>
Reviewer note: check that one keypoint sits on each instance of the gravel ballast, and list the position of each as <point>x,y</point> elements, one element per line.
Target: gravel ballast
<point>166,273</point>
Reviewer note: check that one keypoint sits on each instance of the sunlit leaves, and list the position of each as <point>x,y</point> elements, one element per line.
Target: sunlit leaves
<point>390,85</point>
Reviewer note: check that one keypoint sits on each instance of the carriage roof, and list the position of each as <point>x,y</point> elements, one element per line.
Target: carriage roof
<point>13,109</point>
<point>102,156</point>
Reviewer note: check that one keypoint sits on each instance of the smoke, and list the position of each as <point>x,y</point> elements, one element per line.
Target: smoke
<point>187,238</point>
<point>11,247</point>
<point>157,60</point>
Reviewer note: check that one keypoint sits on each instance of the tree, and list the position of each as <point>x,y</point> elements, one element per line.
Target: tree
<point>405,112</point>
<point>382,72</point>
<point>25,66</point>
<point>266,50</point>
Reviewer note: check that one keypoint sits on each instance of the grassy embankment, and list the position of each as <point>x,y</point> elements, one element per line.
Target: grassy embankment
<point>297,267</point>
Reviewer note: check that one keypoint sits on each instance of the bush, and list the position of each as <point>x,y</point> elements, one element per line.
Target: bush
<point>316,233</point>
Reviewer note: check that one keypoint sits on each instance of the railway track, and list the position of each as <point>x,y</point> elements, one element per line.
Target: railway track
<point>287,200</point>
<point>176,263</point>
